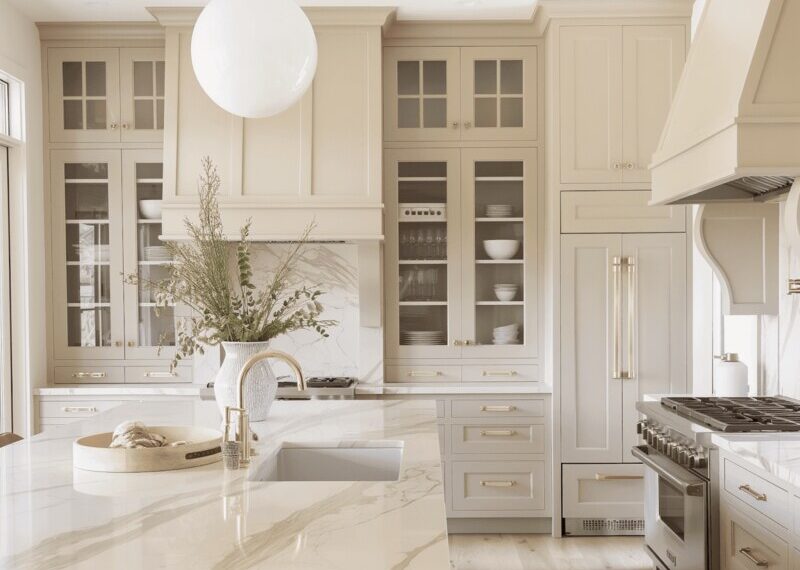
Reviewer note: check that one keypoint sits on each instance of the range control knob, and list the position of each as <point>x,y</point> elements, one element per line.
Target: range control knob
<point>683,455</point>
<point>697,461</point>
<point>661,443</point>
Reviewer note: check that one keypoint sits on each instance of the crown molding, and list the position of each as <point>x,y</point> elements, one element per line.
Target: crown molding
<point>317,15</point>
<point>547,10</point>
<point>49,31</point>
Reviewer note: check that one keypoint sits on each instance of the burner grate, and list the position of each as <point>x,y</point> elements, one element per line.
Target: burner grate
<point>740,414</point>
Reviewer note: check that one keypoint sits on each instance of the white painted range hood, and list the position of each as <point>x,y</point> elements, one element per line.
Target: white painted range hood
<point>733,131</point>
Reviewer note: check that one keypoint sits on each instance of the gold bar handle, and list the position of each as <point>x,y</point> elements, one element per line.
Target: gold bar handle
<point>498,408</point>
<point>160,374</point>
<point>88,374</point>
<point>498,432</point>
<point>423,373</point>
<point>747,552</point>
<point>499,373</point>
<point>498,483</point>
<point>753,493</point>
<point>616,317</point>
<point>604,477</point>
<point>76,409</point>
<point>630,265</point>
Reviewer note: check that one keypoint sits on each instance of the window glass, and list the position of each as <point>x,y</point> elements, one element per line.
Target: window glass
<point>4,108</point>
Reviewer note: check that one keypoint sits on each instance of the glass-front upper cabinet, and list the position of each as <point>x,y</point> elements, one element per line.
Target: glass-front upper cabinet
<point>423,255</point>
<point>421,88</point>
<point>147,325</point>
<point>499,93</point>
<point>499,256</point>
<point>106,94</point>
<point>87,254</point>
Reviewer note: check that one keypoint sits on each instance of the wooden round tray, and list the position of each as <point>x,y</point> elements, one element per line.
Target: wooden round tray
<point>93,454</point>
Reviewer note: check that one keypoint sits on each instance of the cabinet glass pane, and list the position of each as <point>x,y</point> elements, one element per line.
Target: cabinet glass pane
<point>423,282</point>
<point>486,112</point>
<point>160,114</point>
<point>142,78</point>
<point>143,114</point>
<point>88,284</point>
<point>73,114</point>
<point>434,113</point>
<point>95,114</point>
<point>89,327</point>
<point>408,113</point>
<point>485,77</point>
<point>511,77</point>
<point>434,77</point>
<point>72,78</point>
<point>159,78</point>
<point>88,242</point>
<point>95,78</point>
<point>511,112</point>
<point>156,326</point>
<point>499,253</point>
<point>408,78</point>
<point>423,325</point>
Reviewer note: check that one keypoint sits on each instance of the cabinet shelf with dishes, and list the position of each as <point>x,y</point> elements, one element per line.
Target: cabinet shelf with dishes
<point>462,283</point>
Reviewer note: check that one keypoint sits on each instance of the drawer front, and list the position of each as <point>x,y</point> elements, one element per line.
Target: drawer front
<point>45,425</point>
<point>74,408</point>
<point>513,373</point>
<point>88,374</point>
<point>603,490</point>
<point>157,374</point>
<point>498,408</point>
<point>617,211</point>
<point>747,546</point>
<point>497,438</point>
<point>423,373</point>
<point>763,496</point>
<point>498,486</point>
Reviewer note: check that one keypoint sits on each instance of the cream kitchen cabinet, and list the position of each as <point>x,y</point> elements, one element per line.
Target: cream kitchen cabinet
<point>105,95</point>
<point>440,299</point>
<point>100,232</point>
<point>616,85</point>
<point>623,335</point>
<point>468,93</point>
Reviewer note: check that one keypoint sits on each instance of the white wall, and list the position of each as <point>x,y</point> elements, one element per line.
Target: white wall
<point>20,57</point>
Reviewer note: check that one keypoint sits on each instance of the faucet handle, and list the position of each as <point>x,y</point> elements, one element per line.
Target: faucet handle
<point>239,444</point>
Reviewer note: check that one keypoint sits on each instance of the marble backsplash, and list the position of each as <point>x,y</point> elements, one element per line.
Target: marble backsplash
<point>331,268</point>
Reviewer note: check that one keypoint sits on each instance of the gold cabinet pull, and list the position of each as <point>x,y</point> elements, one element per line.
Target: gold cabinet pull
<point>423,373</point>
<point>629,263</point>
<point>498,483</point>
<point>88,374</point>
<point>747,552</point>
<point>160,375</point>
<point>616,317</point>
<point>604,477</point>
<point>76,409</point>
<point>499,373</point>
<point>753,493</point>
<point>498,408</point>
<point>498,432</point>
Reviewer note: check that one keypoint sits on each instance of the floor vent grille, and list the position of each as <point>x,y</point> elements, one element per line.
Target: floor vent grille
<point>590,527</point>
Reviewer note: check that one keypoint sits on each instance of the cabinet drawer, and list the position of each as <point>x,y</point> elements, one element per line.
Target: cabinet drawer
<point>497,438</point>
<point>88,374</point>
<point>746,545</point>
<point>498,486</point>
<point>763,496</point>
<point>617,212</point>
<point>423,373</point>
<point>603,490</point>
<point>497,408</point>
<point>48,424</point>
<point>492,373</point>
<point>157,374</point>
<point>74,408</point>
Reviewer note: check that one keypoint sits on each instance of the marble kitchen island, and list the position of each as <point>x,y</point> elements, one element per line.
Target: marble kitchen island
<point>54,516</point>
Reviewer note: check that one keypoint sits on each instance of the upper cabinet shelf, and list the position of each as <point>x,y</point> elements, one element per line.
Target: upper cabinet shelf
<point>452,94</point>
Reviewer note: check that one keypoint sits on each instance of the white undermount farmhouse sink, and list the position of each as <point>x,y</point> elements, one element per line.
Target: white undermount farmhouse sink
<point>333,461</point>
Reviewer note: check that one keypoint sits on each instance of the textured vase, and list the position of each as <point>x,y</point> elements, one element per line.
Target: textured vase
<point>260,386</point>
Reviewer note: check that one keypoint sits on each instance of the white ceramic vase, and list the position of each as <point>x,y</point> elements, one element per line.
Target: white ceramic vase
<point>260,386</point>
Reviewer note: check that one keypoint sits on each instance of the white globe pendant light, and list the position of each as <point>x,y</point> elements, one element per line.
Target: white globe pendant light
<point>254,58</point>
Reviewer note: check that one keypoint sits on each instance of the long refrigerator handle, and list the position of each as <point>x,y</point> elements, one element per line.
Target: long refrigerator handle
<point>630,265</point>
<point>616,318</point>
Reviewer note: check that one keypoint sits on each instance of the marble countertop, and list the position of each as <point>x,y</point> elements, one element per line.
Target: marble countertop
<point>431,388</point>
<point>185,389</point>
<point>777,454</point>
<point>54,516</point>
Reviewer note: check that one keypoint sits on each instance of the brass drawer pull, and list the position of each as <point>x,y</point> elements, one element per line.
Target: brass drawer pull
<point>88,374</point>
<point>604,477</point>
<point>498,408</point>
<point>160,375</point>
<point>753,493</point>
<point>71,409</point>
<point>499,373</point>
<point>498,483</point>
<point>424,373</point>
<point>747,552</point>
<point>498,432</point>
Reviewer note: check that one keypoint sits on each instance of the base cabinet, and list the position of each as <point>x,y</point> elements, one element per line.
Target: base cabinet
<point>745,544</point>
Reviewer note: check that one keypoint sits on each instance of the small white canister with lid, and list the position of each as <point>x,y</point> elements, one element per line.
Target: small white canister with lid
<point>730,376</point>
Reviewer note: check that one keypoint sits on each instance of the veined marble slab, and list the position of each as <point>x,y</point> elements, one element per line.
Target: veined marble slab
<point>124,390</point>
<point>54,516</point>
<point>777,454</point>
<point>423,388</point>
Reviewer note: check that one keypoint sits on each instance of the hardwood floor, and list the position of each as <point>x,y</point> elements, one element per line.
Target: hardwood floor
<point>539,551</point>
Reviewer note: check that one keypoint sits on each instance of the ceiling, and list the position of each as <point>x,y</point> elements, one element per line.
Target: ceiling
<point>134,10</point>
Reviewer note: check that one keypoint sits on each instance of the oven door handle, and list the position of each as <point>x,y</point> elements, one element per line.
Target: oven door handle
<point>693,488</point>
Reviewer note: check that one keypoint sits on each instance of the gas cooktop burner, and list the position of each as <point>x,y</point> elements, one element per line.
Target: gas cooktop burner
<point>759,413</point>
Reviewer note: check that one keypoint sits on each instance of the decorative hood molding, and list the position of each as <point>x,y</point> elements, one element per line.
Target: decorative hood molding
<point>733,131</point>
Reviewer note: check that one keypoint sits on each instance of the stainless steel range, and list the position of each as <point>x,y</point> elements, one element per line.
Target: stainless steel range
<point>681,479</point>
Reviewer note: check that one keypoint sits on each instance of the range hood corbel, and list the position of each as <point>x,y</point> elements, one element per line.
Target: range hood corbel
<point>791,228</point>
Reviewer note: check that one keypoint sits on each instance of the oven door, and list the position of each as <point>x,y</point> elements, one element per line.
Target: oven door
<point>675,512</point>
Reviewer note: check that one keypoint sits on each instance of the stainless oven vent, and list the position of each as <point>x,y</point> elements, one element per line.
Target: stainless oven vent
<point>604,527</point>
<point>758,188</point>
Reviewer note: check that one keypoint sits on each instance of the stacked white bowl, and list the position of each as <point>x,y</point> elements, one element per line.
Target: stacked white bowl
<point>507,334</point>
<point>498,211</point>
<point>505,291</point>
<point>501,248</point>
